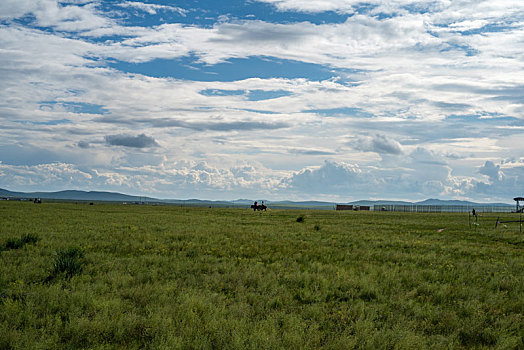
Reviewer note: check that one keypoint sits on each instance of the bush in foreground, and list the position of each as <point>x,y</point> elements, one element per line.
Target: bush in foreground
<point>68,261</point>
<point>16,243</point>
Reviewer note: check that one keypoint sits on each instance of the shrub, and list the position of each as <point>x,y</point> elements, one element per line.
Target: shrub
<point>68,260</point>
<point>317,227</point>
<point>15,243</point>
<point>300,218</point>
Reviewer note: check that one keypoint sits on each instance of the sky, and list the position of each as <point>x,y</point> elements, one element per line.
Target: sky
<point>332,100</point>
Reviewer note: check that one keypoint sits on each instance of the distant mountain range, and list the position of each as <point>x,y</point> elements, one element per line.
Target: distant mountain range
<point>73,195</point>
<point>76,195</point>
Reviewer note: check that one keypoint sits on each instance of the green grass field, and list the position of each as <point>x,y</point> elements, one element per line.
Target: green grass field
<point>113,276</point>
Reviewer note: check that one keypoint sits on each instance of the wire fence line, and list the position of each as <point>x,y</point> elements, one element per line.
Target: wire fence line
<point>443,208</point>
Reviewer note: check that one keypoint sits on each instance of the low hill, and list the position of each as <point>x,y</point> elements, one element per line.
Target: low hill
<point>433,201</point>
<point>119,197</point>
<point>76,195</point>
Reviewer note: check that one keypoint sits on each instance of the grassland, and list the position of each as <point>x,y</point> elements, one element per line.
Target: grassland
<point>112,276</point>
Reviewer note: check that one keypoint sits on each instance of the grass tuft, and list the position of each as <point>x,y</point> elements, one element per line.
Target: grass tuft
<point>13,243</point>
<point>29,238</point>
<point>68,261</point>
<point>16,243</point>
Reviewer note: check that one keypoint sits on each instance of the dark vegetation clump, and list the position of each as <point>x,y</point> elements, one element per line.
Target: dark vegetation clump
<point>191,253</point>
<point>300,218</point>
<point>13,243</point>
<point>317,227</point>
<point>16,243</point>
<point>29,238</point>
<point>67,261</point>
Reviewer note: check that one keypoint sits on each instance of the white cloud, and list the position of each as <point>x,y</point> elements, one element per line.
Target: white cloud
<point>351,181</point>
<point>469,24</point>
<point>503,184</point>
<point>51,13</point>
<point>445,9</point>
<point>378,143</point>
<point>345,6</point>
<point>173,180</point>
<point>333,181</point>
<point>416,177</point>
<point>152,9</point>
<point>53,176</point>
<point>330,177</point>
<point>492,171</point>
<point>342,45</point>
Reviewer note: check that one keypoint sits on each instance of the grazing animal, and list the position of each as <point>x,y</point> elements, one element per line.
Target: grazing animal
<point>260,207</point>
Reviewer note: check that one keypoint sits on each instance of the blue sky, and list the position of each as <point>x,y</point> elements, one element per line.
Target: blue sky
<point>332,100</point>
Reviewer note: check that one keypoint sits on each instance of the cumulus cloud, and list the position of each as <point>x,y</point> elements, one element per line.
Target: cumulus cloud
<point>424,156</point>
<point>408,179</point>
<point>491,170</point>
<point>378,143</point>
<point>51,176</point>
<point>328,178</point>
<point>503,184</point>
<point>139,141</point>
<point>333,180</point>
<point>174,180</point>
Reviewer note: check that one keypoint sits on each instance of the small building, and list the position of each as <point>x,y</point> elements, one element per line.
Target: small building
<point>344,207</point>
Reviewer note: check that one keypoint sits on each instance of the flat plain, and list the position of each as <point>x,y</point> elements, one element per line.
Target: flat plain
<point>109,276</point>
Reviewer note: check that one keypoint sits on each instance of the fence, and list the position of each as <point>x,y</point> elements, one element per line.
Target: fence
<point>443,208</point>
<point>352,207</point>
